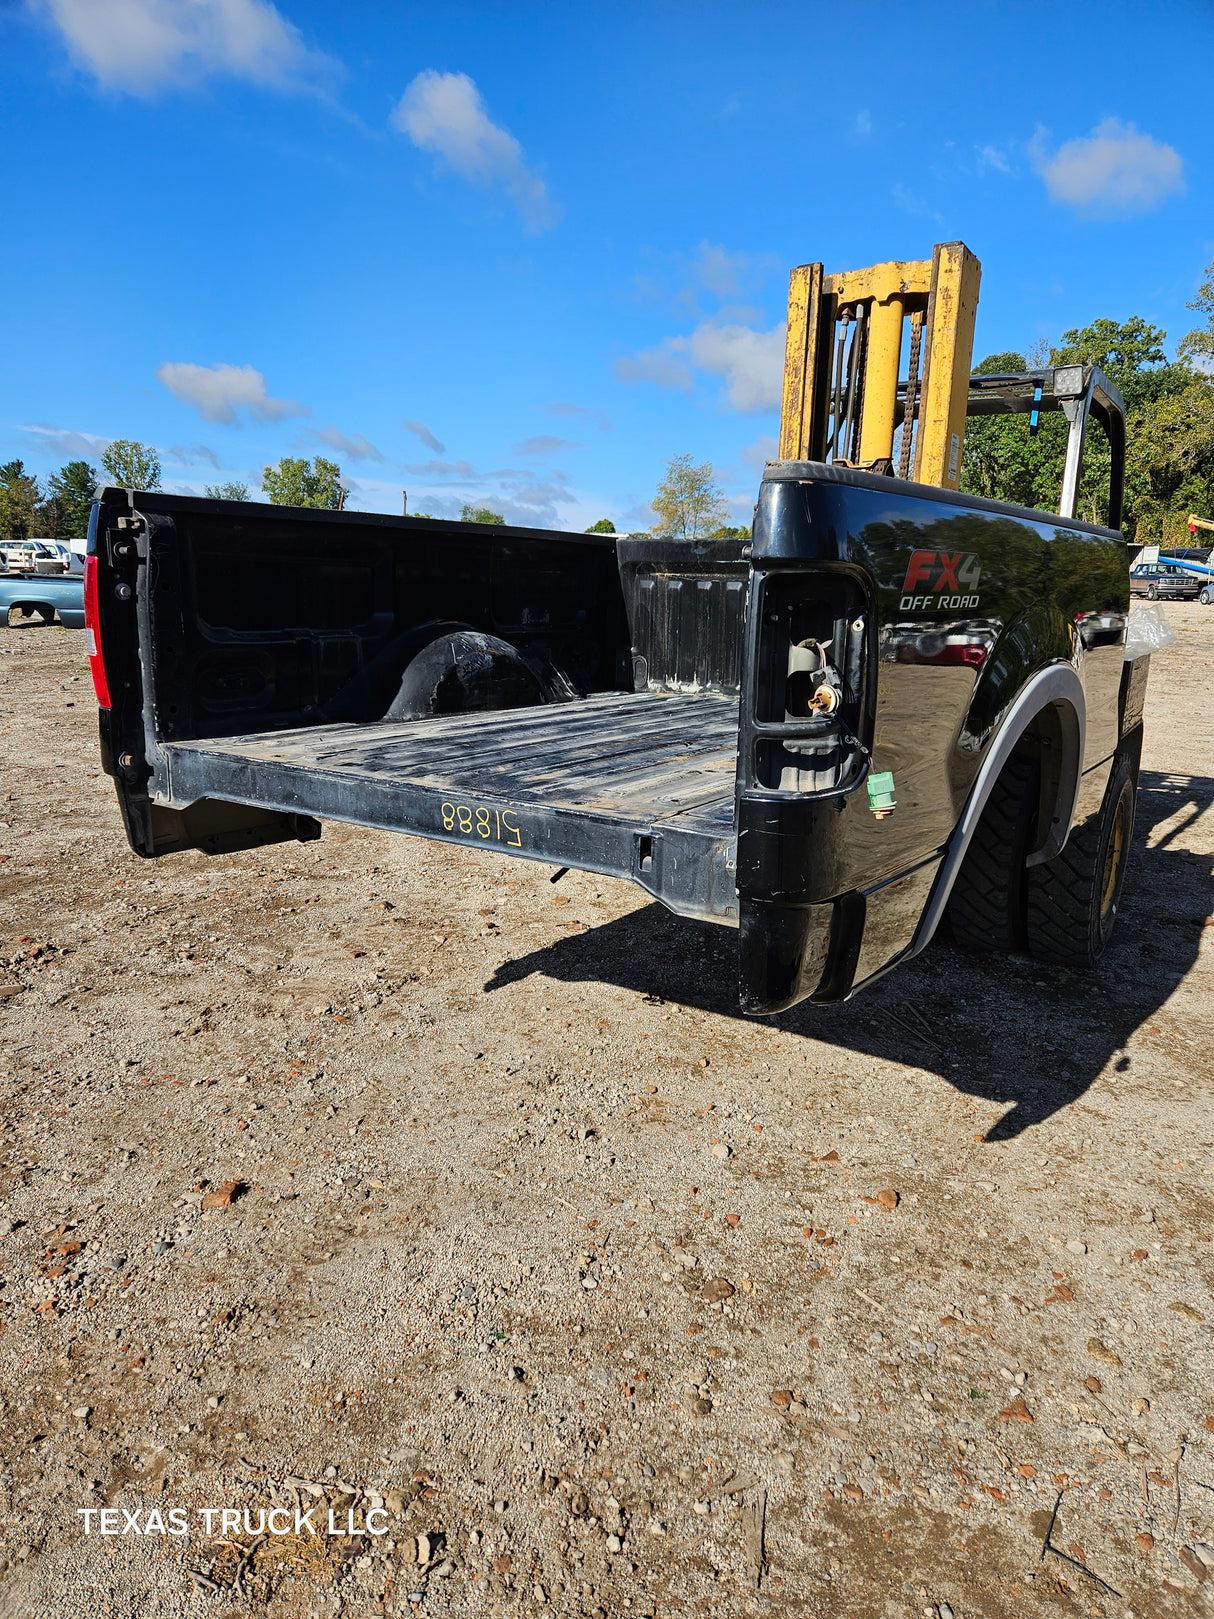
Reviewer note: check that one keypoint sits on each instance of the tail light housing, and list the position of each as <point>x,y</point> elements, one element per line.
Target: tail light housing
<point>806,703</point>
<point>92,634</point>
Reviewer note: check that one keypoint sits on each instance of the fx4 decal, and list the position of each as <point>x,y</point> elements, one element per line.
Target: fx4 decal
<point>941,580</point>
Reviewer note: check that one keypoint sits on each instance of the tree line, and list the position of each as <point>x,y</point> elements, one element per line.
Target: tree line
<point>59,509</point>
<point>1169,452</point>
<point>1169,428</point>
<point>689,504</point>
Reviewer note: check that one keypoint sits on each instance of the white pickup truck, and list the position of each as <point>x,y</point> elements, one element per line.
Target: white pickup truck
<point>35,556</point>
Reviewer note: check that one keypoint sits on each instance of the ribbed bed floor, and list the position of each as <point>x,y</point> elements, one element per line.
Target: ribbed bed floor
<point>638,757</point>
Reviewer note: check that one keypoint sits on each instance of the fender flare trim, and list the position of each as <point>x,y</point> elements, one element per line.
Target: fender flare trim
<point>1056,686</point>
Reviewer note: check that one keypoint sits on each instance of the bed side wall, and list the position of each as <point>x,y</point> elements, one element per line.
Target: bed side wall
<point>264,618</point>
<point>686,604</point>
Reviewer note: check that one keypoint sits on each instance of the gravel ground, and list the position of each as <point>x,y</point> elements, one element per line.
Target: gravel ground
<point>392,1181</point>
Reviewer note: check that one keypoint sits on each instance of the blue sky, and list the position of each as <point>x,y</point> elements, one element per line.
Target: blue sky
<point>523,254</point>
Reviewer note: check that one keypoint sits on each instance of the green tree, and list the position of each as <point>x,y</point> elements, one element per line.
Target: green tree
<point>996,364</point>
<point>1130,353</point>
<point>1197,346</point>
<point>603,526</point>
<point>479,514</point>
<point>1170,461</point>
<point>728,532</point>
<point>19,495</point>
<point>50,519</point>
<point>1002,461</point>
<point>132,465</point>
<point>228,491</point>
<point>71,492</point>
<point>688,502</point>
<point>293,482</point>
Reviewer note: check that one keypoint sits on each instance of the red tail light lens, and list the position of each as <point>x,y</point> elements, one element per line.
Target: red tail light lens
<point>92,634</point>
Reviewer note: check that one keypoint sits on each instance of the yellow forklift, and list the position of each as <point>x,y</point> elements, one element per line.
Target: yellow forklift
<point>845,402</point>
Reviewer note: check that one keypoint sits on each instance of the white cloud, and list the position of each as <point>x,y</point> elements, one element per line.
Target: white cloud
<point>912,203</point>
<point>142,46</point>
<point>641,515</point>
<point>723,272</point>
<point>189,455</point>
<point>520,497</point>
<point>664,365</point>
<point>990,157</point>
<point>864,122</point>
<point>521,494</point>
<point>681,283</point>
<point>217,392</point>
<point>443,469</point>
<point>66,442</point>
<point>421,431</point>
<point>1113,172</point>
<point>545,444</point>
<point>754,457</point>
<point>444,113</point>
<point>357,448</point>
<point>749,362</point>
<point>533,504</point>
<point>562,407</point>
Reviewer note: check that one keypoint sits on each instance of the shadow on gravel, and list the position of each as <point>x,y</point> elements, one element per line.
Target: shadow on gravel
<point>1011,1031</point>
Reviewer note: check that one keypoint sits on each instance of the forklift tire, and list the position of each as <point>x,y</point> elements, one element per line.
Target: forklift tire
<point>987,906</point>
<point>1073,899</point>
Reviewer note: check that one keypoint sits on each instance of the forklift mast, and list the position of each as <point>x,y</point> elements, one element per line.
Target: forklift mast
<point>845,402</point>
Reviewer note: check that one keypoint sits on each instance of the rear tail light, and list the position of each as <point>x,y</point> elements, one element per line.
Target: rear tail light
<point>806,700</point>
<point>92,634</point>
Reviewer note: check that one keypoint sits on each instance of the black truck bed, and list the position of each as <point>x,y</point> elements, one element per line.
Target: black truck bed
<point>796,735</point>
<point>641,782</point>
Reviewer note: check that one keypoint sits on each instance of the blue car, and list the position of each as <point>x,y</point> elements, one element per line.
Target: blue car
<point>45,594</point>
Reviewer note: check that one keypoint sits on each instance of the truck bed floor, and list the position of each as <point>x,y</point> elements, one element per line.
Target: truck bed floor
<point>576,782</point>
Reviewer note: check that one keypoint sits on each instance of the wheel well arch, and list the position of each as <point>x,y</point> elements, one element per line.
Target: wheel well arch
<point>1054,739</point>
<point>30,604</point>
<point>1048,718</point>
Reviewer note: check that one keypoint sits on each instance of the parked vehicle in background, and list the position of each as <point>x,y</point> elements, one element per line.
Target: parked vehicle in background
<point>45,595</point>
<point>1195,560</point>
<point>1164,581</point>
<point>72,559</point>
<point>33,556</point>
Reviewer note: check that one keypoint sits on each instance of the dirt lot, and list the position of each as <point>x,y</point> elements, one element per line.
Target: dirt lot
<point>583,1289</point>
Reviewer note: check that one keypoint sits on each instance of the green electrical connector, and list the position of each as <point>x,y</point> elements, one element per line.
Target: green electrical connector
<point>881,798</point>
